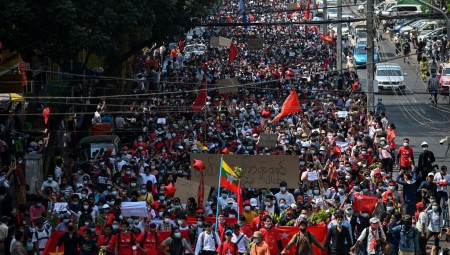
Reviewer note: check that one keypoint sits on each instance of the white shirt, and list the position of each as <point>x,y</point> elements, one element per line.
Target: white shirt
<point>3,232</point>
<point>41,237</point>
<point>243,242</point>
<point>438,177</point>
<point>145,178</point>
<point>371,236</point>
<point>58,173</point>
<point>435,221</point>
<point>288,197</point>
<point>208,242</point>
<point>54,185</point>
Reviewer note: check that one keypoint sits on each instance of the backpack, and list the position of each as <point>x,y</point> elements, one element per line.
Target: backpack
<point>42,238</point>
<point>366,239</point>
<point>203,239</point>
<point>236,243</point>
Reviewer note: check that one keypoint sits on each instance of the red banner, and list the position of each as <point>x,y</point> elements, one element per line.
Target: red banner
<point>288,232</point>
<point>363,203</point>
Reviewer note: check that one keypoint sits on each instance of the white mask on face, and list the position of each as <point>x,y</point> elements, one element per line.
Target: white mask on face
<point>282,189</point>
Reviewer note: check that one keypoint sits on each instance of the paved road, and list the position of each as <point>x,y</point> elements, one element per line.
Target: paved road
<point>412,113</point>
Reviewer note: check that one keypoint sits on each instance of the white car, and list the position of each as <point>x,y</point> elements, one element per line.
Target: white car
<point>390,76</point>
<point>332,13</point>
<point>194,49</point>
<point>345,30</point>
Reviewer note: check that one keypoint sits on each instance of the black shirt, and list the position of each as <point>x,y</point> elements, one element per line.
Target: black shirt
<point>337,239</point>
<point>70,244</point>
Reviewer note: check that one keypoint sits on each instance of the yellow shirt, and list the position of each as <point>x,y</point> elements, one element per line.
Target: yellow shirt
<point>249,216</point>
<point>147,197</point>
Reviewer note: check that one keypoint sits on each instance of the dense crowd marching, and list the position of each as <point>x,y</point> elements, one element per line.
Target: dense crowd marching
<point>293,58</point>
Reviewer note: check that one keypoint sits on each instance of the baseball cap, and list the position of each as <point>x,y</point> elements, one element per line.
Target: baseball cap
<point>374,220</point>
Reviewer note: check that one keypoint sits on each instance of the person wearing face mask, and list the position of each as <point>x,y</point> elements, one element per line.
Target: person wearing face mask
<point>259,246</point>
<point>70,240</point>
<point>421,224</point>
<point>284,194</point>
<point>40,236</point>
<point>407,236</point>
<point>176,244</point>
<point>145,195</point>
<point>49,183</point>
<point>65,218</point>
<point>384,153</point>
<point>271,236</point>
<point>337,236</point>
<point>37,210</point>
<point>405,156</point>
<point>148,241</point>
<point>428,187</point>
<point>435,224</point>
<point>390,193</point>
<point>442,179</point>
<point>167,224</point>
<point>124,242</point>
<point>104,239</point>
<point>248,212</point>
<point>426,160</point>
<point>287,218</point>
<point>371,238</point>
<point>147,176</point>
<point>409,190</point>
<point>304,241</point>
<point>86,214</point>
<point>269,205</point>
<point>208,241</point>
<point>353,220</point>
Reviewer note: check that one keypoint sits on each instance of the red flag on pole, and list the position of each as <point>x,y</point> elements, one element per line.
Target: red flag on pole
<point>22,70</point>
<point>308,10</point>
<point>201,191</point>
<point>233,53</point>
<point>363,203</point>
<point>290,105</point>
<point>326,38</point>
<point>200,101</point>
<point>240,201</point>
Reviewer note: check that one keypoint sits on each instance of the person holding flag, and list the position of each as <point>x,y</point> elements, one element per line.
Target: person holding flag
<point>304,240</point>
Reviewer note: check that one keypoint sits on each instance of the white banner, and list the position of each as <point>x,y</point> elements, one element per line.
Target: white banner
<point>138,209</point>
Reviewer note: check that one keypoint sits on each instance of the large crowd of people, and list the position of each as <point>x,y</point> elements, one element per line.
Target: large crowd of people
<point>333,112</point>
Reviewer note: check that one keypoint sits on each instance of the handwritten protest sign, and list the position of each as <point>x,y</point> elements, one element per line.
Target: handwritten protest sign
<point>187,188</point>
<point>267,140</point>
<point>259,171</point>
<point>342,114</point>
<point>312,176</point>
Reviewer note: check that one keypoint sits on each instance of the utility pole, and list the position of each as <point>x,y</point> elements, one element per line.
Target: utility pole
<point>339,37</point>
<point>370,52</point>
<point>325,17</point>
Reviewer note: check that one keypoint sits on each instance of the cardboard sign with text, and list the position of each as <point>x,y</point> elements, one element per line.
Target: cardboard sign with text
<point>255,43</point>
<point>259,171</point>
<point>220,41</point>
<point>267,140</point>
<point>187,188</point>
<point>227,85</point>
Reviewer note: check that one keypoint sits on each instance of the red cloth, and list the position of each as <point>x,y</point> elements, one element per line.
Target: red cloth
<point>364,203</point>
<point>319,232</point>
<point>46,115</point>
<point>405,155</point>
<point>22,71</point>
<point>226,247</point>
<point>308,10</point>
<point>326,38</point>
<point>50,247</point>
<point>271,236</point>
<point>233,53</point>
<point>290,105</point>
<point>200,101</point>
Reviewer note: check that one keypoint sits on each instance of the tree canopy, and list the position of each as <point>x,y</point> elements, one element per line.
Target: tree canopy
<point>61,29</point>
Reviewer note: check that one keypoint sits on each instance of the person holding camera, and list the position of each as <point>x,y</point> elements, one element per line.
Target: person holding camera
<point>373,236</point>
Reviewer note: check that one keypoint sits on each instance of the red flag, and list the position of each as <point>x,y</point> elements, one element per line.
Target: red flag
<point>364,203</point>
<point>308,10</point>
<point>50,247</point>
<point>233,53</point>
<point>290,105</point>
<point>306,30</point>
<point>201,191</point>
<point>319,232</point>
<point>240,201</point>
<point>326,38</point>
<point>22,70</point>
<point>200,101</point>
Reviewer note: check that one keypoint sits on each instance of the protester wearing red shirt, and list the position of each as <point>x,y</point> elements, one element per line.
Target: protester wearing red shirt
<point>244,229</point>
<point>123,242</point>
<point>148,241</point>
<point>271,236</point>
<point>104,240</point>
<point>258,222</point>
<point>227,247</point>
<point>405,158</point>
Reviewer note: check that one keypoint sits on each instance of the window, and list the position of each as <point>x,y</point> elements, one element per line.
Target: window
<point>389,72</point>
<point>446,72</point>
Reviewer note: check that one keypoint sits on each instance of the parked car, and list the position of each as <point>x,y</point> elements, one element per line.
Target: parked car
<point>194,49</point>
<point>345,30</point>
<point>92,147</point>
<point>390,76</point>
<point>332,13</point>
<point>399,9</point>
<point>444,78</point>
<point>404,31</point>
<point>407,22</point>
<point>438,33</point>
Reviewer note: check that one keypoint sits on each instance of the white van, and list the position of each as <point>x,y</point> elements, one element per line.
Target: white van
<point>402,9</point>
<point>390,76</point>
